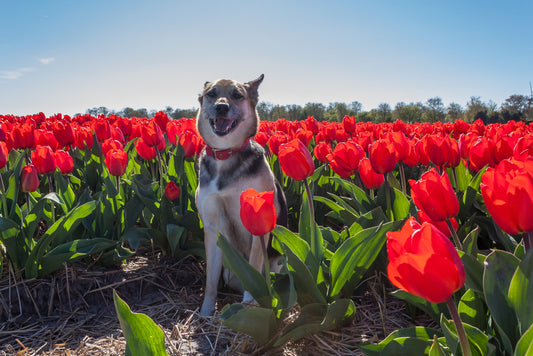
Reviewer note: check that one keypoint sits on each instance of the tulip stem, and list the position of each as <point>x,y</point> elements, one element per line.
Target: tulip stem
<point>454,171</point>
<point>266,261</point>
<point>2,191</point>
<point>161,171</point>
<point>387,196</point>
<point>528,236</point>
<point>28,202</point>
<point>454,234</point>
<point>51,189</point>
<point>402,176</point>
<point>118,222</point>
<point>463,339</point>
<point>310,200</point>
<point>312,238</point>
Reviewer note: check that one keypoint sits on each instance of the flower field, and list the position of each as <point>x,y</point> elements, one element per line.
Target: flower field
<point>445,209</point>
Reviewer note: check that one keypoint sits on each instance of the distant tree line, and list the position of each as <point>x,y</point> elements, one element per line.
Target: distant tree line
<point>516,107</point>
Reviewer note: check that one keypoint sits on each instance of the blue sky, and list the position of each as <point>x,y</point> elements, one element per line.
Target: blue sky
<point>65,56</point>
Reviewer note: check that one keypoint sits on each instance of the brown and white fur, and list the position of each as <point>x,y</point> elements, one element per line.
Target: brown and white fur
<point>227,118</point>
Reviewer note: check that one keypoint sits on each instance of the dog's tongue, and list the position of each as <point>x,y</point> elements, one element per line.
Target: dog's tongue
<point>222,125</point>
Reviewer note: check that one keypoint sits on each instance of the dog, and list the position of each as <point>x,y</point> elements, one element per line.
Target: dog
<point>230,163</point>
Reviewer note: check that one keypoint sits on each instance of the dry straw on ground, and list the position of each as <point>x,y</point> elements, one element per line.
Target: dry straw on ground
<point>72,312</point>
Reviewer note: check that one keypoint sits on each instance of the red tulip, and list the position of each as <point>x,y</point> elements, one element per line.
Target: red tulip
<point>46,138</point>
<point>23,136</point>
<point>275,141</point>
<point>161,119</point>
<point>110,144</point>
<point>116,161</point>
<point>424,262</point>
<point>124,124</point>
<point>258,213</point>
<point>412,158</point>
<point>64,162</point>
<point>83,138</point>
<point>3,154</point>
<point>441,225</point>
<point>345,158</point>
<point>146,152</point>
<point>305,136</point>
<point>523,147</point>
<point>369,177</point>
<point>442,150</point>
<point>152,134</point>
<point>102,129</point>
<point>43,159</point>
<point>382,155</point>
<point>190,142</point>
<point>401,143</point>
<point>261,138</point>
<point>348,122</point>
<point>433,193</point>
<point>29,180</point>
<point>63,133</point>
<point>322,150</point>
<point>172,191</point>
<point>481,155</point>
<point>296,160</point>
<point>508,194</point>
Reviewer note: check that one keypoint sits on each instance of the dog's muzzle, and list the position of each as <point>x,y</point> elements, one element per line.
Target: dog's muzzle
<point>222,126</point>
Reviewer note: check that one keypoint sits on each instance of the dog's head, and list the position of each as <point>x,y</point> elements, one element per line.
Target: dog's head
<point>227,114</point>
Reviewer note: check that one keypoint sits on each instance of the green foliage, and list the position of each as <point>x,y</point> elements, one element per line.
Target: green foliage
<point>143,336</point>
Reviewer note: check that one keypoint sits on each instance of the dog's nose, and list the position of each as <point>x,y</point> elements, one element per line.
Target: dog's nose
<point>222,108</point>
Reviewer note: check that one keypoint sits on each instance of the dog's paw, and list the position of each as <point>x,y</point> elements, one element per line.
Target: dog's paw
<point>248,299</point>
<point>207,311</point>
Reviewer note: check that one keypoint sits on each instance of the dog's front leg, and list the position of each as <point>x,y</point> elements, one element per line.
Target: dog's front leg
<point>213,256</point>
<point>256,260</point>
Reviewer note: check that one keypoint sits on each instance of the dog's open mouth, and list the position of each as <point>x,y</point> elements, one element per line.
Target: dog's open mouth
<point>222,126</point>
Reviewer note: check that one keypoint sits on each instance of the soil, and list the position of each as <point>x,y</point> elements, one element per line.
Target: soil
<point>72,312</point>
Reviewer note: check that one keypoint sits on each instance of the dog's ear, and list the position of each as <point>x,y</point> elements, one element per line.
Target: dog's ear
<point>251,88</point>
<point>201,96</point>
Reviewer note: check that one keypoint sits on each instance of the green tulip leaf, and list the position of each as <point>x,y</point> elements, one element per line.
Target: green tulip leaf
<point>432,309</point>
<point>521,292</point>
<point>500,267</point>
<point>318,317</point>
<point>338,210</point>
<point>175,236</point>
<point>309,230</point>
<point>190,172</point>
<point>251,280</point>
<point>358,195</point>
<point>304,282</point>
<point>473,270</point>
<point>59,231</point>
<point>472,309</point>
<point>356,255</point>
<point>72,251</point>
<point>524,347</point>
<point>424,335</point>
<point>65,192</point>
<point>297,245</point>
<point>478,341</point>
<point>15,246</point>
<point>400,205</point>
<point>436,348</point>
<point>143,336</point>
<point>259,323</point>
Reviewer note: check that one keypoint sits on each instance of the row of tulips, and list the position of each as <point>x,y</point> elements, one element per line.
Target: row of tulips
<point>121,182</point>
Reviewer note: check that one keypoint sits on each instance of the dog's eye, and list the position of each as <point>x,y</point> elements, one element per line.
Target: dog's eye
<point>237,96</point>
<point>211,94</point>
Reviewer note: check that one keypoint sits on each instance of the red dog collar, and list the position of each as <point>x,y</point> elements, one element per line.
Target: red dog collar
<point>225,154</point>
